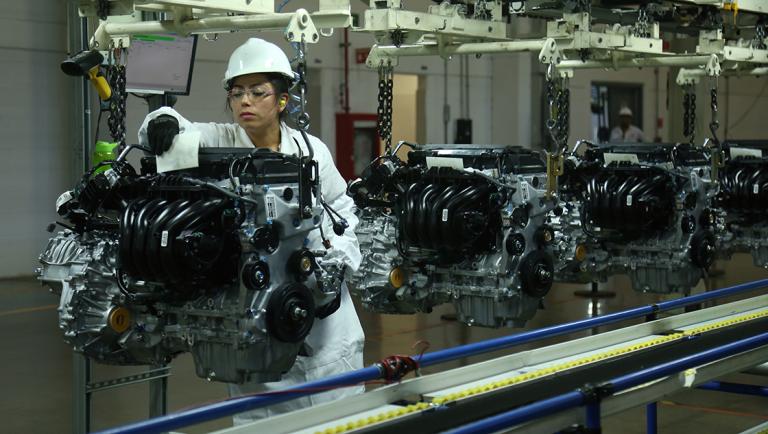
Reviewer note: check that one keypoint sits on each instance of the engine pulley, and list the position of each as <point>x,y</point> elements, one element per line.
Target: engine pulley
<point>256,275</point>
<point>290,312</point>
<point>537,273</point>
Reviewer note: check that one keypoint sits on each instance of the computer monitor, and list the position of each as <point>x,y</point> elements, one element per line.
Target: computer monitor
<point>160,64</point>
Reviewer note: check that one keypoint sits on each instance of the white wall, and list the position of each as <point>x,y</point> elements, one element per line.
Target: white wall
<point>746,105</point>
<point>35,119</point>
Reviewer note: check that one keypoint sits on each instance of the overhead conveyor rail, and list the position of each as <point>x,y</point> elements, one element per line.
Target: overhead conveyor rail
<point>471,381</point>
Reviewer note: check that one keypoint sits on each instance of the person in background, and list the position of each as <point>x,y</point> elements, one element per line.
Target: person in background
<point>625,131</point>
<point>256,82</point>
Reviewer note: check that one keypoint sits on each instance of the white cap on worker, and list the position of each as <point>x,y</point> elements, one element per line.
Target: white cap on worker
<point>625,111</point>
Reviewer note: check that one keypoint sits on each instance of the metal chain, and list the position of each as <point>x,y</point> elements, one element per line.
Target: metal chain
<point>686,113</point>
<point>689,113</point>
<point>116,79</point>
<point>563,110</point>
<point>302,120</point>
<point>481,12</point>
<point>559,98</point>
<point>760,34</point>
<point>384,110</point>
<point>714,124</point>
<point>577,6</point>
<point>641,29</point>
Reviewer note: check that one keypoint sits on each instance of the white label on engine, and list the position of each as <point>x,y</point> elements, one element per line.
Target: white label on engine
<point>612,157</point>
<point>524,192</point>
<point>164,239</point>
<point>453,163</point>
<point>629,200</point>
<point>746,152</point>
<point>64,198</point>
<point>695,182</point>
<point>756,188</point>
<point>271,207</point>
<point>445,214</point>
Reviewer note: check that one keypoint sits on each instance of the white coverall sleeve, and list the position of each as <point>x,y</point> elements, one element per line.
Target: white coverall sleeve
<point>616,135</point>
<point>212,135</point>
<point>344,248</point>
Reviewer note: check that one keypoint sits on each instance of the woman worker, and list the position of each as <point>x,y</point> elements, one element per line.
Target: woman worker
<point>257,81</point>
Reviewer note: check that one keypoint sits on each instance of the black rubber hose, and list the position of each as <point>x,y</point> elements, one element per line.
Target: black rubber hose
<point>737,195</point>
<point>408,228</point>
<point>171,257</point>
<point>603,216</point>
<point>446,230</point>
<point>155,234</point>
<point>142,232</point>
<point>204,258</point>
<point>167,258</point>
<point>592,198</point>
<point>423,215</point>
<point>140,226</point>
<point>647,203</point>
<point>655,193</point>
<point>436,215</point>
<point>462,210</point>
<point>742,198</point>
<point>622,211</point>
<point>126,236</point>
<point>640,215</point>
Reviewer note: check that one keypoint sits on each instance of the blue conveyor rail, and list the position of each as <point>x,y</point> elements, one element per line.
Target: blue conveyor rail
<point>586,396</point>
<point>237,405</point>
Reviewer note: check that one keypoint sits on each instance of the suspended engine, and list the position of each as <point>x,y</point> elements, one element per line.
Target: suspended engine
<point>154,265</point>
<point>644,210</point>
<point>744,198</point>
<point>455,224</point>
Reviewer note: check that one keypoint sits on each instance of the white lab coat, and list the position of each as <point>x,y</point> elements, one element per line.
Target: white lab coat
<point>338,339</point>
<point>632,135</point>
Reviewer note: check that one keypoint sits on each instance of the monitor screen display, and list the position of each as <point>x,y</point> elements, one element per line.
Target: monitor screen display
<point>160,64</point>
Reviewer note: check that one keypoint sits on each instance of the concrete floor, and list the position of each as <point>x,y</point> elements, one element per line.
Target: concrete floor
<point>37,392</point>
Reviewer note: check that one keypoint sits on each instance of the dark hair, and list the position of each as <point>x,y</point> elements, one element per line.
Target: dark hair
<point>279,82</point>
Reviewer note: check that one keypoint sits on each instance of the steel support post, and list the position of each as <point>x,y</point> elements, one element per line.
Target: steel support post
<point>77,40</point>
<point>651,418</point>
<point>158,394</point>
<point>593,417</point>
<point>81,397</point>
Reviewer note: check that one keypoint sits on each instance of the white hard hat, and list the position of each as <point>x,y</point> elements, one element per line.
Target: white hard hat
<point>625,111</point>
<point>257,56</point>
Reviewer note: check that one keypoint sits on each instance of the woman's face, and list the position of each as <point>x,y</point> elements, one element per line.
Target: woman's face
<point>255,106</point>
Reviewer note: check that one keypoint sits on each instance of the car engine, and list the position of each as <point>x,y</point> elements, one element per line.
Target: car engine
<point>640,209</point>
<point>458,224</point>
<point>743,197</point>
<point>210,260</point>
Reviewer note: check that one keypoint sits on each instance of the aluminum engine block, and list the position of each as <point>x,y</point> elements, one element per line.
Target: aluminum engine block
<point>155,265</point>
<point>645,210</point>
<point>458,224</point>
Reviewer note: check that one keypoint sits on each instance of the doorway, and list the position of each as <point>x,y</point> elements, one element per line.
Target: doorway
<point>606,101</point>
<point>408,109</point>
<point>357,139</point>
